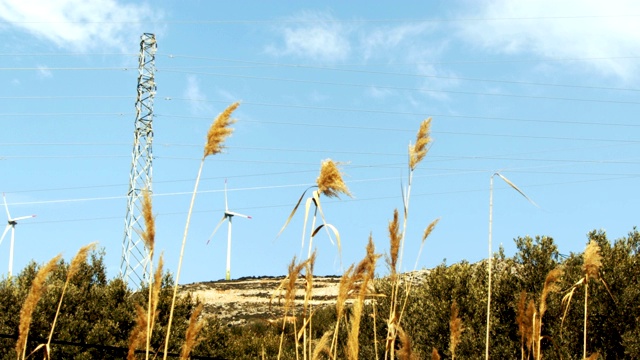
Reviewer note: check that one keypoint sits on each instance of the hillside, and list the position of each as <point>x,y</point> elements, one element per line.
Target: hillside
<point>255,298</point>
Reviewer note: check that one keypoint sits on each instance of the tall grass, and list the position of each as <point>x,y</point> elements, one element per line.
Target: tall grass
<point>417,153</point>
<point>78,260</point>
<point>592,262</point>
<point>29,305</point>
<point>220,129</point>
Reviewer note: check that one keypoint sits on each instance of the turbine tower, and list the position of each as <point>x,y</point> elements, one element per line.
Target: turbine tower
<point>133,267</point>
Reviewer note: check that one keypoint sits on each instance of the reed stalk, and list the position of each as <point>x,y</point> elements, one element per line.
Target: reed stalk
<point>29,305</point>
<point>591,269</point>
<point>417,153</point>
<point>220,129</point>
<point>78,260</point>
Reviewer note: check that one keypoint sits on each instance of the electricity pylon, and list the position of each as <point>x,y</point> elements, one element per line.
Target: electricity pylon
<point>133,267</point>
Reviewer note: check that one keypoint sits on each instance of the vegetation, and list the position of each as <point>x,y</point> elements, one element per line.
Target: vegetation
<point>71,311</point>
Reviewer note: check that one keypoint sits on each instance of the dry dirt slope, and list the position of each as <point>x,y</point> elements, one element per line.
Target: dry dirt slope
<point>246,299</point>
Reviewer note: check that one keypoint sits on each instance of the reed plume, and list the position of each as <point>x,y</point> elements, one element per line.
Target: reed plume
<point>149,233</point>
<point>455,329</point>
<point>139,333</point>
<point>74,267</point>
<point>524,318</point>
<point>551,285</point>
<point>591,268</point>
<point>288,285</point>
<point>29,305</point>
<point>192,339</point>
<point>419,150</point>
<point>149,238</point>
<point>330,182</point>
<point>218,132</point>
<point>394,241</point>
<point>405,352</point>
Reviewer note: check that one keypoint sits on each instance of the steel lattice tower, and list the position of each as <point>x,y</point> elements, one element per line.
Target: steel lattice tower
<point>133,267</point>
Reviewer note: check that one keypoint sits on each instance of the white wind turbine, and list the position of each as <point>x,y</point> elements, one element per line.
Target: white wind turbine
<point>11,224</point>
<point>228,216</point>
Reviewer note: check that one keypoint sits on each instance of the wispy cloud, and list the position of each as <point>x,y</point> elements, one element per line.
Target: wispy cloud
<point>313,36</point>
<point>412,46</point>
<point>602,31</point>
<point>79,24</point>
<point>197,99</point>
<point>389,39</point>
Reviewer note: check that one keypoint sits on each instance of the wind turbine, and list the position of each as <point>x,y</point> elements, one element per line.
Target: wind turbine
<point>11,224</point>
<point>228,216</point>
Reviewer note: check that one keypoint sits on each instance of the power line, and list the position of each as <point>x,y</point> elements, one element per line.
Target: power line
<point>184,70</point>
<point>288,205</point>
<point>427,76</point>
<point>449,62</point>
<point>460,92</point>
<point>58,97</point>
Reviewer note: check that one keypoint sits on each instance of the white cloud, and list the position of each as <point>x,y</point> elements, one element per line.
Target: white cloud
<point>315,36</point>
<point>79,24</point>
<point>196,98</point>
<point>571,29</point>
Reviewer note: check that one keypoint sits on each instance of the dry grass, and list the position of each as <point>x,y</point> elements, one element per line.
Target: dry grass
<point>321,347</point>
<point>74,267</point>
<point>551,285</point>
<point>362,277</point>
<point>405,352</point>
<point>220,129</point>
<point>149,238</point>
<point>218,132</point>
<point>394,244</point>
<point>288,286</point>
<point>149,233</point>
<point>191,337</point>
<point>330,182</point>
<point>139,333</point>
<point>418,151</point>
<point>524,319</point>
<point>29,305</point>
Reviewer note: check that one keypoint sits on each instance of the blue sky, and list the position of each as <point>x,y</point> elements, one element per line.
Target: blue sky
<point>545,92</point>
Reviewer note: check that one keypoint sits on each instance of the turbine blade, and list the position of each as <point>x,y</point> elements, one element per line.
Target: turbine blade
<point>4,198</point>
<point>23,217</point>
<point>6,229</point>
<point>238,214</point>
<point>514,187</point>
<point>216,229</point>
